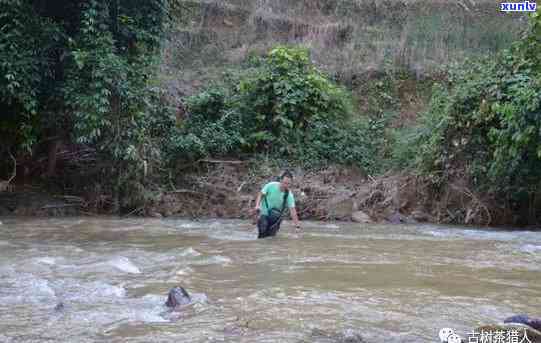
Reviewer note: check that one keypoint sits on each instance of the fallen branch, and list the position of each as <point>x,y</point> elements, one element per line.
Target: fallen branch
<point>218,189</point>
<point>186,191</point>
<point>240,187</point>
<point>58,206</point>
<point>71,198</point>
<point>221,161</point>
<point>132,212</point>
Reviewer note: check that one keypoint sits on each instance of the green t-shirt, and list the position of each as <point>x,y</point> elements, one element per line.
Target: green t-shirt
<point>275,197</point>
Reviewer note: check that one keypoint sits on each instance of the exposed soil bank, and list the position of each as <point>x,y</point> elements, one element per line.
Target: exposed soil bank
<point>227,189</point>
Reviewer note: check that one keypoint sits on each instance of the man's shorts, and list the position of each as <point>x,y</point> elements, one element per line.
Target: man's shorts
<point>266,228</point>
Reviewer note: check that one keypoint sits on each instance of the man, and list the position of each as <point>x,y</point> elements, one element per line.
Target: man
<point>271,203</point>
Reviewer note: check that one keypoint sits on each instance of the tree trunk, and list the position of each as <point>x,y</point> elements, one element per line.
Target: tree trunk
<point>51,164</point>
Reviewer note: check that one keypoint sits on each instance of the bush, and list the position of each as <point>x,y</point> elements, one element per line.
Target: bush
<point>80,70</point>
<point>281,105</point>
<point>486,122</point>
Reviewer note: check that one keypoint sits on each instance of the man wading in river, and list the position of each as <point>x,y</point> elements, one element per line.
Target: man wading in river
<point>271,204</point>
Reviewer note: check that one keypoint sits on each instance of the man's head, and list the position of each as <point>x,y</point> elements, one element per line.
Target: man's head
<point>285,180</point>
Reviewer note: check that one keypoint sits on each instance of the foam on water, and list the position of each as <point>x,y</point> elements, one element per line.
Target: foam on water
<point>190,226</point>
<point>221,230</point>
<point>188,252</point>
<point>199,298</point>
<point>124,264</point>
<point>184,271</point>
<point>476,234</point>
<point>26,289</point>
<point>105,290</point>
<point>217,259</point>
<point>153,299</point>
<point>148,317</point>
<point>89,292</point>
<point>41,287</point>
<point>231,235</point>
<point>332,226</point>
<point>47,260</point>
<point>531,248</point>
<point>6,270</point>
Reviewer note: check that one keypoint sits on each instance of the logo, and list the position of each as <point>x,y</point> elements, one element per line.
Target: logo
<point>448,335</point>
<point>525,6</point>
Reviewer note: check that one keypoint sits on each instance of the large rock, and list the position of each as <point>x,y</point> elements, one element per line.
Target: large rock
<point>177,296</point>
<point>421,216</point>
<point>534,323</point>
<point>59,307</point>
<point>340,207</point>
<point>361,217</point>
<point>399,218</point>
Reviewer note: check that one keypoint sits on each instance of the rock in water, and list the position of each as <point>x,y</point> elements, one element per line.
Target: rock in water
<point>177,296</point>
<point>59,307</point>
<point>361,217</point>
<point>421,216</point>
<point>398,218</point>
<point>322,336</point>
<point>526,320</point>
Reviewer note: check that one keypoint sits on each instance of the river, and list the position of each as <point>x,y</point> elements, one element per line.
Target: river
<point>387,283</point>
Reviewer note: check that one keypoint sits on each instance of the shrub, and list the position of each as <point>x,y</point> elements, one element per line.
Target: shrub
<point>282,105</point>
<point>486,122</point>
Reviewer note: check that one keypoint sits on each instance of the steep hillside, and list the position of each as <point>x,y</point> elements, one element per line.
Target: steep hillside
<point>351,39</point>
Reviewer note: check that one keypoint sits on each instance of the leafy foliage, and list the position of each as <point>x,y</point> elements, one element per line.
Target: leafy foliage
<point>25,70</point>
<point>486,121</point>
<point>81,70</point>
<point>282,105</point>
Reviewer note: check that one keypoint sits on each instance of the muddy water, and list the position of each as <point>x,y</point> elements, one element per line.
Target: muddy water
<point>388,283</point>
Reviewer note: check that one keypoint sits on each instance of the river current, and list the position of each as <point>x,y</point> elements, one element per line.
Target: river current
<point>386,283</point>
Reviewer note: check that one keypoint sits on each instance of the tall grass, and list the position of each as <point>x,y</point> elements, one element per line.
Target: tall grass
<point>345,36</point>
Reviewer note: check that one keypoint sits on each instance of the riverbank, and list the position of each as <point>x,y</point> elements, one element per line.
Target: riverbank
<point>228,188</point>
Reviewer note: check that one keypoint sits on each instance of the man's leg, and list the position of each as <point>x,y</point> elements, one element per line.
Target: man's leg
<point>263,226</point>
<point>273,229</point>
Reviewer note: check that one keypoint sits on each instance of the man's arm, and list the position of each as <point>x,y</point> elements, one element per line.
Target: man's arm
<point>295,217</point>
<point>258,201</point>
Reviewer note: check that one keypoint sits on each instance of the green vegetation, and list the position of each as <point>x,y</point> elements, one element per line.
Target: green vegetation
<point>283,106</point>
<point>484,124</point>
<point>84,73</point>
<point>81,71</point>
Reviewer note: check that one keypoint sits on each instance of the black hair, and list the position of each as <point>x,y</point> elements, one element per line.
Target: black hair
<point>286,173</point>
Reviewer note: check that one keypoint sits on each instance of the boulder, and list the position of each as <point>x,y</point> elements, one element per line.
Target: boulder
<point>154,214</point>
<point>534,323</point>
<point>340,207</point>
<point>399,218</point>
<point>361,217</point>
<point>177,296</point>
<point>421,216</point>
<point>59,307</point>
